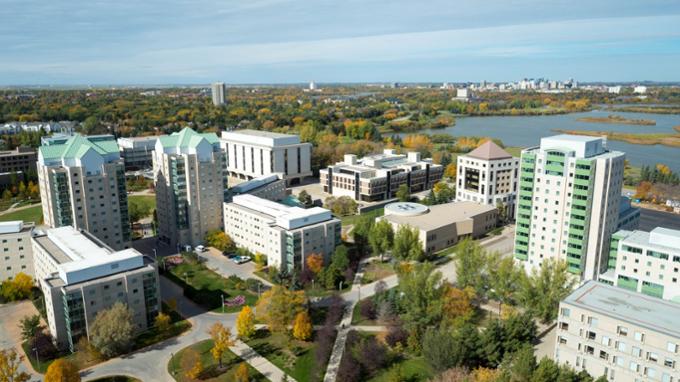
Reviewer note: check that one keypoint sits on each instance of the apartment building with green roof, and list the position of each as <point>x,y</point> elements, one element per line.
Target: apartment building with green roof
<point>568,203</point>
<point>190,179</point>
<point>82,184</point>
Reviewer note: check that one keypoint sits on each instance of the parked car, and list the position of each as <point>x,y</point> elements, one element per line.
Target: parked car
<point>241,259</point>
<point>200,248</point>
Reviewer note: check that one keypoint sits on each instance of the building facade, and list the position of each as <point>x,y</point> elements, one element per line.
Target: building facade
<point>15,249</point>
<point>80,276</point>
<point>137,152</point>
<point>82,184</point>
<point>254,153</point>
<point>219,93</point>
<point>286,235</point>
<point>20,160</point>
<point>488,175</point>
<point>378,177</point>
<point>568,203</point>
<point>623,335</point>
<point>267,187</point>
<point>190,182</point>
<point>646,262</point>
<point>441,226</point>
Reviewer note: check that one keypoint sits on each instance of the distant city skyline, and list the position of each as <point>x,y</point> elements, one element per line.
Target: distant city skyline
<point>286,41</point>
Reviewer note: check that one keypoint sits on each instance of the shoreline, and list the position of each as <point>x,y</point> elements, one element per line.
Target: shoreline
<point>671,140</point>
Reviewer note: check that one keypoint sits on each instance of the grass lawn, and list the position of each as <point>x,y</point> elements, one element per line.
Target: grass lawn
<point>294,357</point>
<point>514,151</point>
<point>376,271</point>
<point>180,363</point>
<point>412,369</point>
<point>31,214</point>
<point>358,319</point>
<point>144,202</point>
<point>206,287</point>
<point>117,378</point>
<point>352,219</point>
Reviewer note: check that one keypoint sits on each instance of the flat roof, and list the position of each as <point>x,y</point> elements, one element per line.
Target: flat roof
<point>14,226</point>
<point>442,214</point>
<point>659,238</point>
<point>260,133</point>
<point>284,216</point>
<point>628,307</point>
<point>574,138</point>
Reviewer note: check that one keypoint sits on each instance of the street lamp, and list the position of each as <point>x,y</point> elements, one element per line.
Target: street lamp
<point>172,360</point>
<point>223,303</point>
<point>37,358</point>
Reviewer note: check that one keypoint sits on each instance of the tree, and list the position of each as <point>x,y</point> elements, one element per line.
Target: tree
<point>30,326</point>
<point>222,341</point>
<point>438,349</point>
<point>305,199</point>
<point>302,327</point>
<point>542,292</point>
<point>451,171</point>
<point>220,240</point>
<point>162,322</point>
<point>458,306</point>
<point>245,323</point>
<point>18,288</point>
<point>407,244</point>
<point>242,373</point>
<point>482,374</point>
<point>9,367</point>
<point>194,364</point>
<point>420,299</point>
<point>112,331</point>
<point>519,366</point>
<point>314,263</point>
<point>403,193</point>
<point>381,237</point>
<point>546,371</point>
<point>62,370</point>
<point>362,231</point>
<point>471,261</point>
<point>279,306</point>
<point>505,281</point>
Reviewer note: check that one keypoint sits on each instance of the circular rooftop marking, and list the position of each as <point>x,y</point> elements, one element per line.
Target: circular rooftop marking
<point>405,209</point>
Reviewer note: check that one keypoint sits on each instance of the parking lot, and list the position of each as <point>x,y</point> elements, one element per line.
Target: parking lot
<point>226,267</point>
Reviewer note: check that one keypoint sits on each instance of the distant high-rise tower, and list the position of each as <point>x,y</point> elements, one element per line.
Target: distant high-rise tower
<point>312,85</point>
<point>219,92</point>
<point>82,184</point>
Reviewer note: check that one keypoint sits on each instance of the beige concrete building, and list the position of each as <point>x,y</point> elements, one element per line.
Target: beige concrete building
<point>15,249</point>
<point>488,175</point>
<point>624,335</point>
<point>378,177</point>
<point>137,152</point>
<point>80,276</point>
<point>443,225</point>
<point>82,184</point>
<point>21,160</point>
<point>255,153</point>
<point>267,187</point>
<point>286,235</point>
<point>190,181</point>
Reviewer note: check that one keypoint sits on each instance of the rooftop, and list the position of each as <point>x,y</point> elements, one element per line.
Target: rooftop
<point>187,138</point>
<point>14,226</point>
<point>260,133</point>
<point>626,306</point>
<point>659,238</point>
<point>441,214</point>
<point>78,145</point>
<point>260,138</point>
<point>489,150</point>
<point>282,215</point>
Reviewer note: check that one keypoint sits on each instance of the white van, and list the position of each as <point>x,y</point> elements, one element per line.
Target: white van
<point>200,248</point>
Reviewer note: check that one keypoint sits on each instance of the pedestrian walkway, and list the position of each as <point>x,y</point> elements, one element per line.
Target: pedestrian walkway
<point>261,364</point>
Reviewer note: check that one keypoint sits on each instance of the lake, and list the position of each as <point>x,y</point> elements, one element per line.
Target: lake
<point>525,131</point>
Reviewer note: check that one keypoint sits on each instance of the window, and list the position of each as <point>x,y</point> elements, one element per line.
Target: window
<point>590,349</point>
<point>650,372</point>
<point>671,347</point>
<point>592,321</point>
<point>621,346</point>
<point>636,352</point>
<point>606,340</point>
<point>620,361</point>
<point>652,356</point>
<point>622,331</point>
<point>639,336</point>
<point>590,335</point>
<point>565,312</point>
<point>669,362</point>
<point>604,355</point>
<point>633,366</point>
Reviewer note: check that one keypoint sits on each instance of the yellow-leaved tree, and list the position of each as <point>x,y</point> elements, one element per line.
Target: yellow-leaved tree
<point>162,322</point>
<point>9,367</point>
<point>242,373</point>
<point>245,323</point>
<point>62,370</point>
<point>221,341</point>
<point>279,306</point>
<point>192,361</point>
<point>302,328</point>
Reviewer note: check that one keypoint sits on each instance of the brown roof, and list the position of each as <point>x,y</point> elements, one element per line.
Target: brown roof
<point>489,150</point>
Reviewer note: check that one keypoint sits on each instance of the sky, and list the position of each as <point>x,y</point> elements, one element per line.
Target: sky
<point>90,42</point>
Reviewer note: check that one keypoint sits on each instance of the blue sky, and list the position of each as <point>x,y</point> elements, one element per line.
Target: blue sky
<point>276,41</point>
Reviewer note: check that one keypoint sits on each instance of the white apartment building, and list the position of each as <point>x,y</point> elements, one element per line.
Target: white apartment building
<point>568,203</point>
<point>266,187</point>
<point>255,153</point>
<point>82,184</point>
<point>378,177</point>
<point>219,93</point>
<point>646,262</point>
<point>623,335</point>
<point>488,175</point>
<point>80,276</point>
<point>137,152</point>
<point>286,235</point>
<point>15,249</point>
<point>190,186</point>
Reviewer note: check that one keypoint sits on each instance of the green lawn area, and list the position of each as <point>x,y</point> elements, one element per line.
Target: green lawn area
<point>31,214</point>
<point>352,219</point>
<point>143,202</point>
<point>294,357</point>
<point>376,271</point>
<point>514,151</point>
<point>412,369</point>
<point>206,287</point>
<point>179,364</point>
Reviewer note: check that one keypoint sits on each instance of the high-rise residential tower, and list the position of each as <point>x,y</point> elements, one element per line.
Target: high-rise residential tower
<point>488,175</point>
<point>82,184</point>
<point>190,178</point>
<point>568,203</point>
<point>219,93</point>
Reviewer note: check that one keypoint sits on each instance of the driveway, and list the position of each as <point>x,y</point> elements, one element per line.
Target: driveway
<point>10,334</point>
<point>219,263</point>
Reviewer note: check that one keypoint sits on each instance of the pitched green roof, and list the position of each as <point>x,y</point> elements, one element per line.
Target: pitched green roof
<point>78,145</point>
<point>187,138</point>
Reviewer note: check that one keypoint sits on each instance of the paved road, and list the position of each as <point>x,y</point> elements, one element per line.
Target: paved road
<point>219,263</point>
<point>650,219</point>
<point>546,345</point>
<point>10,335</point>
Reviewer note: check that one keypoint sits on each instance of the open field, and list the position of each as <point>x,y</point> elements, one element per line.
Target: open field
<point>30,214</point>
<point>619,120</point>
<point>180,364</point>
